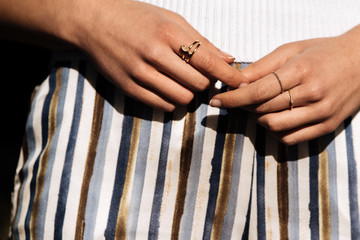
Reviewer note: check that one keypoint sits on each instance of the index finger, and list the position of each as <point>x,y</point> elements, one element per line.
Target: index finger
<point>211,65</point>
<point>260,91</point>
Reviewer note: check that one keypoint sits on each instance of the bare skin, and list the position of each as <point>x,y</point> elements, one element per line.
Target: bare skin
<point>135,45</point>
<point>323,76</point>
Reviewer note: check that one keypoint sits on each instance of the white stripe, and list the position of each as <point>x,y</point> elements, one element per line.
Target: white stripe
<point>356,140</point>
<point>79,161</point>
<point>271,198</point>
<point>111,160</point>
<point>60,154</point>
<point>304,191</point>
<point>343,184</point>
<point>172,175</point>
<point>150,175</point>
<point>202,195</point>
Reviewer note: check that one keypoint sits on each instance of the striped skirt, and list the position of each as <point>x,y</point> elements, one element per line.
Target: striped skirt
<point>96,164</point>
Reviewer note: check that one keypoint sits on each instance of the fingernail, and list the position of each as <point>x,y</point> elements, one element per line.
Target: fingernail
<point>243,85</point>
<point>215,103</point>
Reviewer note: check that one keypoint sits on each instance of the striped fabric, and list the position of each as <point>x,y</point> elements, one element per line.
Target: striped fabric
<point>98,165</point>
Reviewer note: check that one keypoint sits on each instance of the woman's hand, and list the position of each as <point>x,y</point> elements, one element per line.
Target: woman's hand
<point>323,76</point>
<point>134,44</point>
<point>137,47</point>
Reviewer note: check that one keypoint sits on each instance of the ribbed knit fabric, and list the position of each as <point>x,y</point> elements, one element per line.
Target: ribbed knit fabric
<point>257,27</point>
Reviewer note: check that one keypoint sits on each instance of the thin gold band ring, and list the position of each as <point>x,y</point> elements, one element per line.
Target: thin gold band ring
<point>291,100</point>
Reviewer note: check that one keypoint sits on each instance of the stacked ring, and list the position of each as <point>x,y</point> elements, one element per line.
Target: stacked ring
<point>278,78</point>
<point>291,100</point>
<point>187,50</point>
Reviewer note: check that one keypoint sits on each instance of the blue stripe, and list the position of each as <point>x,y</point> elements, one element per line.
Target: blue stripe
<point>293,180</point>
<point>66,172</point>
<point>214,180</point>
<point>352,171</point>
<point>193,181</point>
<point>45,193</point>
<point>260,180</point>
<point>140,169</point>
<point>93,198</point>
<point>314,188</point>
<point>229,219</point>
<point>333,191</point>
<point>44,126</point>
<point>160,180</point>
<point>246,231</point>
<point>23,174</point>
<point>121,167</point>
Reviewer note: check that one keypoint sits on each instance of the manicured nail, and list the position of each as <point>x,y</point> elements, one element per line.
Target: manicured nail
<point>215,103</point>
<point>229,56</point>
<point>243,85</point>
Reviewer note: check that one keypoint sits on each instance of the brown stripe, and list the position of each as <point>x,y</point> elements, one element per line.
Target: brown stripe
<point>45,155</point>
<point>324,196</point>
<point>120,232</point>
<point>283,192</point>
<point>225,177</point>
<point>89,165</point>
<point>185,162</point>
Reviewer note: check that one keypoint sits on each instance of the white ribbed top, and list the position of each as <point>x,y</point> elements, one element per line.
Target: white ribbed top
<point>249,29</point>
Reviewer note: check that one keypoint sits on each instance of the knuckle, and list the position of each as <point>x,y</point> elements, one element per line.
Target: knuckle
<point>138,71</point>
<point>327,127</point>
<point>259,93</point>
<point>314,93</point>
<point>208,63</point>
<point>325,110</point>
<point>303,66</point>
<point>232,78</point>
<point>154,55</point>
<point>165,30</point>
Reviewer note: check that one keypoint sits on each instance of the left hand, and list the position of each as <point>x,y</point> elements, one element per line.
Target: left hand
<point>323,76</point>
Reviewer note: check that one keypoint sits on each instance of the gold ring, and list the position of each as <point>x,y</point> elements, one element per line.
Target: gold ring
<point>278,78</point>
<point>291,100</point>
<point>187,50</point>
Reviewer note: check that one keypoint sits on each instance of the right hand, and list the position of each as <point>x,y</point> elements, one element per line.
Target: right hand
<point>137,47</point>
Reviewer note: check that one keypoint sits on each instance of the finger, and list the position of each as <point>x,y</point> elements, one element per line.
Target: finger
<point>261,90</point>
<point>290,119</point>
<point>193,32</point>
<point>173,66</point>
<point>211,65</point>
<point>303,134</point>
<point>152,99</point>
<point>283,101</point>
<point>273,60</point>
<point>170,89</point>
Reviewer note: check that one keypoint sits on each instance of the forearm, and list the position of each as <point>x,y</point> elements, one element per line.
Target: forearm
<point>49,23</point>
